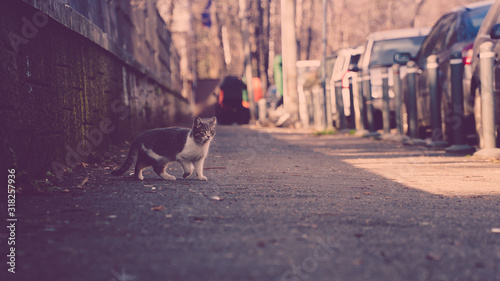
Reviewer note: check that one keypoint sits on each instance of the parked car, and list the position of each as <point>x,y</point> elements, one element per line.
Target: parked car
<point>489,32</point>
<point>455,31</point>
<point>347,61</point>
<point>379,53</point>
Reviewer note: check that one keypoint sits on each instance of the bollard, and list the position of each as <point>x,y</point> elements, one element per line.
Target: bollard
<point>386,113</point>
<point>262,106</point>
<point>412,100</point>
<point>340,105</point>
<point>362,103</point>
<point>486,69</point>
<point>328,110</point>
<point>352,115</point>
<point>310,106</point>
<point>357,101</point>
<point>398,101</point>
<point>487,57</point>
<point>434,86</point>
<point>367,93</point>
<point>319,117</point>
<point>457,97</point>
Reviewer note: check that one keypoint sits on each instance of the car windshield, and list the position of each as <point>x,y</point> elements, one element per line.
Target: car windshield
<point>383,51</point>
<point>471,22</point>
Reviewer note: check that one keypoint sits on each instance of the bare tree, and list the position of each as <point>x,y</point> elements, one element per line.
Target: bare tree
<point>349,22</point>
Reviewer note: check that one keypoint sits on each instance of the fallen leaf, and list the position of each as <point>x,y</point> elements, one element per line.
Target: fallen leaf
<point>158,208</point>
<point>85,180</point>
<point>357,262</point>
<point>432,257</point>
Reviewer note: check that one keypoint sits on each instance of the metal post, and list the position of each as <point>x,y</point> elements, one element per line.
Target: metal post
<point>487,57</point>
<point>367,93</point>
<point>262,105</point>
<point>357,101</point>
<point>435,101</point>
<point>248,58</point>
<point>319,119</point>
<point>412,100</point>
<point>362,104</point>
<point>386,114</point>
<point>339,102</point>
<point>457,98</point>
<point>486,69</point>
<point>398,101</point>
<point>352,115</point>
<point>328,109</point>
<point>326,94</point>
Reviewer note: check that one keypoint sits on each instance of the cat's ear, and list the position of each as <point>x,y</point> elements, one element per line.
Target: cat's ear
<point>212,121</point>
<point>197,122</point>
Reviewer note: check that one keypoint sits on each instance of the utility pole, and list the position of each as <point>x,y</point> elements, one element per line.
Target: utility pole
<point>326,95</point>
<point>289,53</point>
<point>248,58</point>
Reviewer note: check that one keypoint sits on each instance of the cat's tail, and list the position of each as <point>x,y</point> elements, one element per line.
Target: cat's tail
<point>132,154</point>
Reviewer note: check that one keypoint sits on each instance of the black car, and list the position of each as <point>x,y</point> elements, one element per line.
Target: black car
<point>454,32</point>
<point>489,32</point>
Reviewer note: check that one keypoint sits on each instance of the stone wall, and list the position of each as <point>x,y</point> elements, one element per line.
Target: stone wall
<point>77,76</point>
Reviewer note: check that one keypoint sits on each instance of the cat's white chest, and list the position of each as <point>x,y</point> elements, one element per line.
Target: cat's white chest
<point>192,151</point>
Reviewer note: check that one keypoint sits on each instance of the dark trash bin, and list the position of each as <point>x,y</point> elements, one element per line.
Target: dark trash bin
<point>230,108</point>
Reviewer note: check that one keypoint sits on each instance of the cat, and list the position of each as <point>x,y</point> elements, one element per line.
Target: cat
<point>158,147</point>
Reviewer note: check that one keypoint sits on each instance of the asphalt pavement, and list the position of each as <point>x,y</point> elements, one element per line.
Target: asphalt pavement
<point>278,205</point>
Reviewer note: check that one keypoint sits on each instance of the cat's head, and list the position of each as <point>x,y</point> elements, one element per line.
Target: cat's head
<point>203,132</point>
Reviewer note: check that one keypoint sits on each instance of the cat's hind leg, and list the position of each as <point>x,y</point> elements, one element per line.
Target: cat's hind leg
<point>187,167</point>
<point>160,170</point>
<point>139,166</point>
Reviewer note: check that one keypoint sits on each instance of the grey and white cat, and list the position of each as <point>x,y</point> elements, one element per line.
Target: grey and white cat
<point>158,147</point>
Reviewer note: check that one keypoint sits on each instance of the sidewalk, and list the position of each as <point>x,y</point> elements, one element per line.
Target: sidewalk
<point>278,205</point>
<point>413,166</point>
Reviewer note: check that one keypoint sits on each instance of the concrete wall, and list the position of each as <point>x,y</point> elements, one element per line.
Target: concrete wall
<point>76,76</point>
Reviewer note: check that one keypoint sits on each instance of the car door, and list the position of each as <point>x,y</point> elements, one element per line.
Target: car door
<point>435,44</point>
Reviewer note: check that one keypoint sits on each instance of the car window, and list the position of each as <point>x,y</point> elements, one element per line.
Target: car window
<point>470,23</point>
<point>354,60</point>
<point>436,40</point>
<point>451,35</point>
<point>383,51</point>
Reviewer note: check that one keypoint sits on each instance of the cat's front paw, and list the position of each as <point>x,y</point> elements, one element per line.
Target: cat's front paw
<point>202,178</point>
